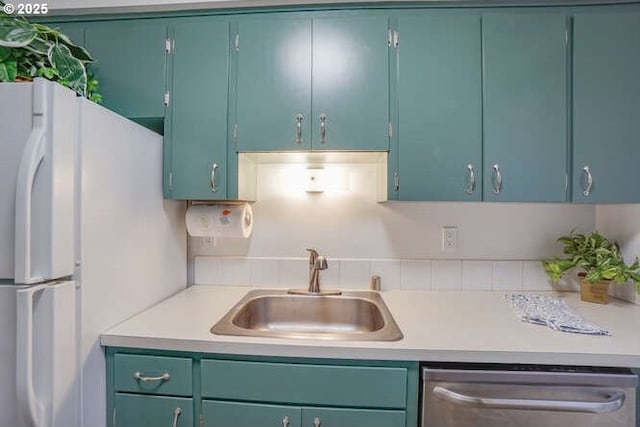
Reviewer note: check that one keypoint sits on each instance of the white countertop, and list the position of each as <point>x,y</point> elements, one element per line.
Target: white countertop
<point>452,326</point>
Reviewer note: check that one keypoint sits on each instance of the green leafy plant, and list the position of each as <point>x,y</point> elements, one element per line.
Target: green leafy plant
<point>29,50</point>
<point>598,257</point>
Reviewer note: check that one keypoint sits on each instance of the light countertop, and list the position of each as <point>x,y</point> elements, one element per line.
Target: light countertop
<point>452,326</point>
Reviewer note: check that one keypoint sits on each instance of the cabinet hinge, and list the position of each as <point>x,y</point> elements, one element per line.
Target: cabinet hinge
<point>170,180</point>
<point>236,42</point>
<point>234,134</point>
<point>201,421</point>
<point>113,417</point>
<point>390,130</point>
<point>396,181</point>
<point>389,37</point>
<point>166,98</point>
<point>566,36</point>
<point>396,39</point>
<point>169,46</point>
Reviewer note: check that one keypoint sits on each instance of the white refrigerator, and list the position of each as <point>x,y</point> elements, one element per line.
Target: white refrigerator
<point>86,241</point>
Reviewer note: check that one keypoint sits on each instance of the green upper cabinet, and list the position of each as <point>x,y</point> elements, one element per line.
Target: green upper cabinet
<point>130,65</point>
<point>273,84</point>
<point>606,107</point>
<point>350,101</point>
<point>195,163</point>
<point>440,107</point>
<point>525,107</point>
<point>319,84</point>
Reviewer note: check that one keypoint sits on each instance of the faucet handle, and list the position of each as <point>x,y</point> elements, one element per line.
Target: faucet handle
<point>321,263</point>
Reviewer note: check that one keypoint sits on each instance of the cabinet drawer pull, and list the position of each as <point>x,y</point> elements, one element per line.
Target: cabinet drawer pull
<point>212,178</point>
<point>140,377</point>
<point>323,128</point>
<point>316,422</point>
<point>497,179</point>
<point>176,414</point>
<point>299,119</point>
<point>471,186</point>
<point>285,421</point>
<point>588,182</point>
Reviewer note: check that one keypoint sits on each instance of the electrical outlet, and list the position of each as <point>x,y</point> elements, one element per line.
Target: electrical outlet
<point>449,239</point>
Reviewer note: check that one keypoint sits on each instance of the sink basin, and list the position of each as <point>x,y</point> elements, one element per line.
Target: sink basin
<point>352,315</point>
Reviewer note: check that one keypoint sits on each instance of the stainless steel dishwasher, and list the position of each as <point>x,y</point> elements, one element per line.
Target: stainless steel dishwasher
<point>527,396</point>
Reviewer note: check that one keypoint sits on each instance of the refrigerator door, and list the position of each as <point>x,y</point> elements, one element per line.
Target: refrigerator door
<point>38,349</point>
<point>38,131</point>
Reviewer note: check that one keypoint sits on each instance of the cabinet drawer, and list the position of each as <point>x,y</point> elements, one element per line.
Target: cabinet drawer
<point>151,369</point>
<point>359,386</point>
<point>150,411</point>
<point>218,413</point>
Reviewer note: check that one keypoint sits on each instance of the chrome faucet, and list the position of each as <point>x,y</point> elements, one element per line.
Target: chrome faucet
<point>316,263</point>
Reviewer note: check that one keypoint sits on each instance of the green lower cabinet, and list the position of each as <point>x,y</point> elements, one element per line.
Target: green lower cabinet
<point>132,410</point>
<point>239,414</point>
<point>341,417</point>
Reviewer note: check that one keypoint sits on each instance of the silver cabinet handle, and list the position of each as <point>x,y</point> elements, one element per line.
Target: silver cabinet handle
<point>316,422</point>
<point>176,414</point>
<point>138,376</point>
<point>471,187</point>
<point>299,119</point>
<point>497,179</point>
<point>586,171</point>
<point>323,128</point>
<point>612,402</point>
<point>285,422</point>
<point>212,178</point>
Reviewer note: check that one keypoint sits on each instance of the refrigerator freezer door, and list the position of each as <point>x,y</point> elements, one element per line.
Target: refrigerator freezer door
<point>37,230</point>
<point>38,347</point>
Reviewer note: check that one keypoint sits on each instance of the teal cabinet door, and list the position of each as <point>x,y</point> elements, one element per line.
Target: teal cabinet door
<point>273,84</point>
<point>73,30</point>
<point>606,107</point>
<point>312,83</point>
<point>196,143</point>
<point>130,65</point>
<point>132,410</point>
<point>237,414</point>
<point>525,107</point>
<point>440,107</point>
<point>350,83</point>
<point>341,417</point>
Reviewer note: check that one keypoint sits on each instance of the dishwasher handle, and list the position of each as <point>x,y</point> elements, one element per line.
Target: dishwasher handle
<point>611,403</point>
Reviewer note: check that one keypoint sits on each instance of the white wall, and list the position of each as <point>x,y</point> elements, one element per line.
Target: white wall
<point>499,244</point>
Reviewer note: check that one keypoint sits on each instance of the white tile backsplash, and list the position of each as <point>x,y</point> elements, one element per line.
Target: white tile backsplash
<point>507,275</point>
<point>355,273</point>
<point>415,274</point>
<point>389,272</point>
<point>477,275</point>
<point>394,273</point>
<point>446,275</point>
<point>265,272</point>
<point>235,271</point>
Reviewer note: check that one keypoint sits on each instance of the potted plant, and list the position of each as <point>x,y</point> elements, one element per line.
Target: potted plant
<point>29,50</point>
<point>600,261</point>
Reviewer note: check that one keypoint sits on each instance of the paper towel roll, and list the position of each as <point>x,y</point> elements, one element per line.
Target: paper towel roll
<point>220,220</point>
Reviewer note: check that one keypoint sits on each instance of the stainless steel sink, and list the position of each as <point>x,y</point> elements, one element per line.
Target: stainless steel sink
<point>352,315</point>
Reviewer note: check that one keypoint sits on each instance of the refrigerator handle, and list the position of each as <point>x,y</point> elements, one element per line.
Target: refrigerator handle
<point>31,409</point>
<point>32,156</point>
